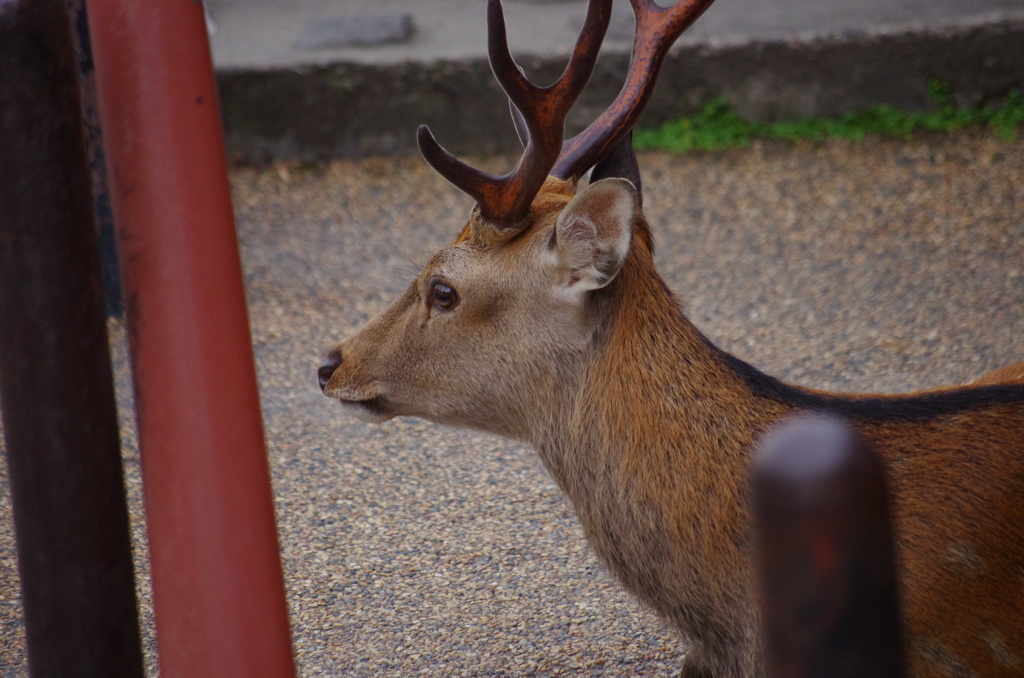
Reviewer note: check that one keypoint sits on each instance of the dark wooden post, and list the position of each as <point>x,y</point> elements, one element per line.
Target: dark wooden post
<point>56,389</point>
<point>828,585</point>
<point>109,269</point>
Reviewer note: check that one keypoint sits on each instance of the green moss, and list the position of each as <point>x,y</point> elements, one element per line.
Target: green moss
<point>718,127</point>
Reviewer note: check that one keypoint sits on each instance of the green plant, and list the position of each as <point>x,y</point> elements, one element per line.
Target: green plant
<point>716,126</point>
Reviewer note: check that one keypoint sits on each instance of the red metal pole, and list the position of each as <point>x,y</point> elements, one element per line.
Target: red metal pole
<point>217,580</point>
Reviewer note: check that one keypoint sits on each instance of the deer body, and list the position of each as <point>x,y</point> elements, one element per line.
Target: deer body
<point>664,430</point>
<point>546,321</point>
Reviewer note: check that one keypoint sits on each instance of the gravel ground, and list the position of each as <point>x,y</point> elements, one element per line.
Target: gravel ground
<point>412,549</point>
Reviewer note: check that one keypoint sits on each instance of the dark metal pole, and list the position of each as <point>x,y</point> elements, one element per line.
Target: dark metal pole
<point>56,389</point>
<point>825,555</point>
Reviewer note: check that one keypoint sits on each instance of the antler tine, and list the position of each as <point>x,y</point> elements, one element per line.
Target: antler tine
<point>656,29</point>
<point>477,183</point>
<point>505,200</point>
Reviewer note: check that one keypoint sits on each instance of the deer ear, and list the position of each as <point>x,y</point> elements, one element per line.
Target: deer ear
<point>593,233</point>
<point>620,162</point>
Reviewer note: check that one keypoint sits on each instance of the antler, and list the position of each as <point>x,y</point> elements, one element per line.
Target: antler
<point>656,29</point>
<point>540,112</point>
<point>505,200</point>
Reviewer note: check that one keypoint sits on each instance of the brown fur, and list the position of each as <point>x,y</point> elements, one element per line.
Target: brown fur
<point>649,429</point>
<point>1009,374</point>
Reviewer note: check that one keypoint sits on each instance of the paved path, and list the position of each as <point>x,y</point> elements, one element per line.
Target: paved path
<point>315,79</point>
<point>268,34</point>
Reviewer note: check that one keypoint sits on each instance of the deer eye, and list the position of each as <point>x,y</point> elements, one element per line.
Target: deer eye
<point>441,296</point>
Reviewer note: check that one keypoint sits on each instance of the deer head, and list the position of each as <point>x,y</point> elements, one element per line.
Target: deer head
<point>499,321</point>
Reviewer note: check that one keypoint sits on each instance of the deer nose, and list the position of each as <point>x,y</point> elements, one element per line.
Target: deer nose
<point>326,370</point>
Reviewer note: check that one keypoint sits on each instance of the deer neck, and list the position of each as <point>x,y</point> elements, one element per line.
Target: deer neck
<point>653,454</point>
<point>655,396</point>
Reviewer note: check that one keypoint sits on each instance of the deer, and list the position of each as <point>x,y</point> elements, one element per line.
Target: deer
<point>546,321</point>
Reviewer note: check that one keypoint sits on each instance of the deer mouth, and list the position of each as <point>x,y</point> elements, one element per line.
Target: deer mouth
<point>372,410</point>
<point>366,403</point>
